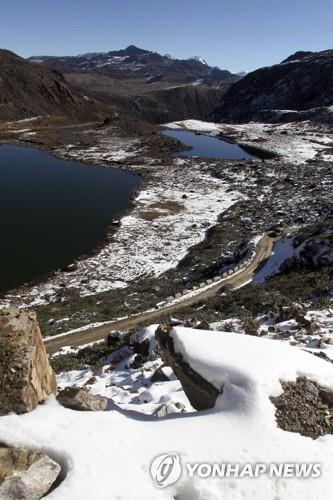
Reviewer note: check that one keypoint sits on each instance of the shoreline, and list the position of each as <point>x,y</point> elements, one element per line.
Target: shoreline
<point>144,171</point>
<point>108,232</point>
<point>158,170</point>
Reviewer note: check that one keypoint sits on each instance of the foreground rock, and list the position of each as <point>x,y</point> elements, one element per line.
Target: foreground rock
<point>26,377</point>
<point>80,399</point>
<point>26,474</point>
<point>201,394</point>
<point>305,407</point>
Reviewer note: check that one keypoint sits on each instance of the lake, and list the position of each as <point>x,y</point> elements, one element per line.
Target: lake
<point>206,146</point>
<point>52,211</point>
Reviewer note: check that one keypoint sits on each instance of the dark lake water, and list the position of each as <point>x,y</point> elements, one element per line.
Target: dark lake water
<point>52,211</point>
<point>206,146</point>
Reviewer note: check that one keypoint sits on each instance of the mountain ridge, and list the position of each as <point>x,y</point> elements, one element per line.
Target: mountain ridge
<point>28,89</point>
<point>154,87</point>
<point>300,83</point>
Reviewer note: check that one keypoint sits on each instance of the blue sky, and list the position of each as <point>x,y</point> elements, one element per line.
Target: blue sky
<point>237,35</point>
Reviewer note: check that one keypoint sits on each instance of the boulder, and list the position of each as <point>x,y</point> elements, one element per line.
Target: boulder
<point>137,362</point>
<point>26,474</point>
<point>159,375</point>
<point>166,409</point>
<point>201,393</point>
<point>142,347</point>
<point>76,398</point>
<point>26,377</point>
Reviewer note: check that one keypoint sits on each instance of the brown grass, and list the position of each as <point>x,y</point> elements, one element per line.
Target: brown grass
<point>161,209</point>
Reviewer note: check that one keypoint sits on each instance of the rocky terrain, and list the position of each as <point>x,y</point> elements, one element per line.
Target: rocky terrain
<point>179,368</point>
<point>300,83</point>
<point>154,87</point>
<point>28,89</point>
<point>217,206</point>
<point>256,357</point>
<point>132,62</point>
<point>26,474</point>
<point>26,376</point>
<point>172,103</point>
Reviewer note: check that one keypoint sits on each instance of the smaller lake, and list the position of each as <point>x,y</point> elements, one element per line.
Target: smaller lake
<point>52,211</point>
<point>206,146</point>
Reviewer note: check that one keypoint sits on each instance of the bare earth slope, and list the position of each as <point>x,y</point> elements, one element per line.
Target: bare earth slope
<point>28,89</point>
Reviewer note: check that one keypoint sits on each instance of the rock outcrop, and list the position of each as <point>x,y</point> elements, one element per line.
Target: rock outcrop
<point>80,399</point>
<point>26,377</point>
<point>304,407</point>
<point>26,474</point>
<point>201,393</point>
<point>302,82</point>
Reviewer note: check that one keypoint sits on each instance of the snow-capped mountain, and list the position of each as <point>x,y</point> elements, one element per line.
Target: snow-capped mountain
<point>135,62</point>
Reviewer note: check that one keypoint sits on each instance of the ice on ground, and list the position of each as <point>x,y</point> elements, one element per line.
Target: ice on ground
<point>108,454</point>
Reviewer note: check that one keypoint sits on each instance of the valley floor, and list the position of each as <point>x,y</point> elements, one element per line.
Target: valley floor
<point>192,218</point>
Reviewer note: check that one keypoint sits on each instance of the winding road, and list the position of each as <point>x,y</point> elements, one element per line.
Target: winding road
<point>263,250</point>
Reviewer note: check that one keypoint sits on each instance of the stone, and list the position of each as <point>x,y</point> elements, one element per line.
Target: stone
<point>166,409</point>
<point>203,325</point>
<point>304,407</point>
<point>137,362</point>
<point>326,395</point>
<point>161,411</point>
<point>26,474</point>
<point>81,399</point>
<point>26,377</point>
<point>159,376</point>
<point>142,348</point>
<point>311,387</point>
<point>201,393</point>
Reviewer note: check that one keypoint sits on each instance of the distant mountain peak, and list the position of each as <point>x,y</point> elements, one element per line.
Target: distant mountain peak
<point>198,59</point>
<point>134,50</point>
<point>300,54</point>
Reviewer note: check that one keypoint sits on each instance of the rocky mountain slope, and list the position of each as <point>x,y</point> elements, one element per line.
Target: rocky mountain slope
<point>28,89</point>
<point>133,63</point>
<point>173,103</point>
<point>155,87</point>
<point>302,82</point>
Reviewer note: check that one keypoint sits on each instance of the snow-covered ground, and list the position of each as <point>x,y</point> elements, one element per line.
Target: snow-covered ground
<point>283,249</point>
<point>314,333</point>
<point>172,212</point>
<point>296,142</point>
<point>131,388</point>
<point>108,454</point>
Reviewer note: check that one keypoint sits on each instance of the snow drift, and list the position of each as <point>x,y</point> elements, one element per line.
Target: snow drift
<point>108,454</point>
